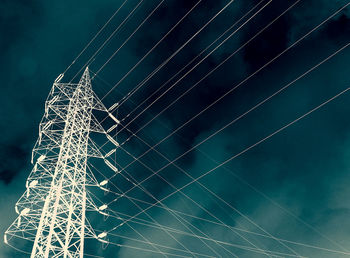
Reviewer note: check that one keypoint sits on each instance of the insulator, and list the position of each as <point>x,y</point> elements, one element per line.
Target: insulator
<point>114,118</point>
<point>110,153</point>
<point>113,106</point>
<point>41,158</point>
<point>59,78</point>
<point>102,235</point>
<point>47,125</point>
<point>25,211</point>
<point>33,183</point>
<point>112,140</point>
<point>53,100</point>
<point>16,209</point>
<point>5,239</point>
<point>111,166</point>
<point>40,136</point>
<point>104,182</point>
<point>28,193</point>
<point>19,221</point>
<point>112,128</point>
<point>103,207</point>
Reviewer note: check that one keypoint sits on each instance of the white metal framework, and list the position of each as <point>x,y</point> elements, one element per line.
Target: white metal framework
<point>52,209</point>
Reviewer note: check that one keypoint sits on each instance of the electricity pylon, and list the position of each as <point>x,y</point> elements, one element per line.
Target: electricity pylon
<point>52,209</point>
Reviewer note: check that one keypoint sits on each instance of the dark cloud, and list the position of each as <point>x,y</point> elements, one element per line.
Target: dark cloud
<point>13,160</point>
<point>303,169</point>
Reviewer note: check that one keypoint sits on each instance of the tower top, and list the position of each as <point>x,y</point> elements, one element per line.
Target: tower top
<point>85,79</point>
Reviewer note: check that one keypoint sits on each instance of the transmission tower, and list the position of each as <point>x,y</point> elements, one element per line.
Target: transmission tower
<point>51,212</point>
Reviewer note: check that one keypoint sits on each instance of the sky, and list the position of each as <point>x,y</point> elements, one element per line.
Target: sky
<point>292,185</point>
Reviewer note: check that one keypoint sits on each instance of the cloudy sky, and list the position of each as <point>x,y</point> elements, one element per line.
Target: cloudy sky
<point>292,186</point>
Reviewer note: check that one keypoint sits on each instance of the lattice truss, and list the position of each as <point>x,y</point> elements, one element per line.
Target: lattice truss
<point>51,212</point>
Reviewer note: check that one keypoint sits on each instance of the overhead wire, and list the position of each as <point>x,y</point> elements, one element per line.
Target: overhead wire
<point>238,246</point>
<point>207,74</point>
<point>148,215</point>
<point>250,147</point>
<point>127,96</point>
<point>163,205</point>
<point>329,58</point>
<point>246,79</point>
<point>179,49</point>
<point>296,42</point>
<point>155,45</point>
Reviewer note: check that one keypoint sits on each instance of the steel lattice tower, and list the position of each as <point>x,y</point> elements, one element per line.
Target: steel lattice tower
<point>52,210</point>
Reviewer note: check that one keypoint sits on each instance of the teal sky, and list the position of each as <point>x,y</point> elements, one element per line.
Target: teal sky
<point>294,185</point>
